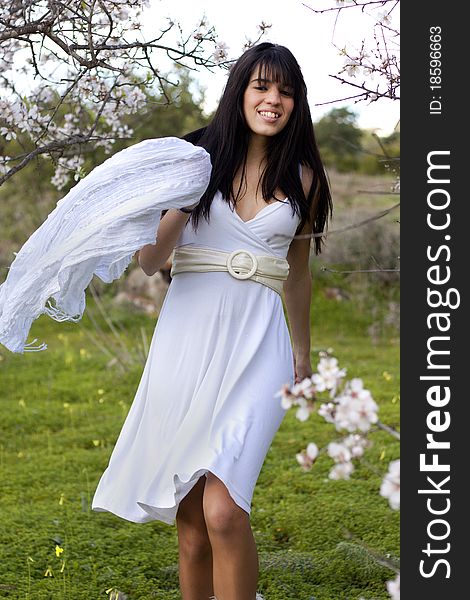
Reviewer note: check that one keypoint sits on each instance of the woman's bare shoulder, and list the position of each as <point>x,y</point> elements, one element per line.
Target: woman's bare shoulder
<point>307,178</point>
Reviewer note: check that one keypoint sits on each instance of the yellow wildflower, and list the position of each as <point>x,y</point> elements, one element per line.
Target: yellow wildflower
<point>58,550</point>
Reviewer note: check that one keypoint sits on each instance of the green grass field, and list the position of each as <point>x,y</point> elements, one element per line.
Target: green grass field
<point>60,413</point>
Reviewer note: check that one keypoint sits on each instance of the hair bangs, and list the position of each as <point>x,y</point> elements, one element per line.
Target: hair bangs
<point>273,67</point>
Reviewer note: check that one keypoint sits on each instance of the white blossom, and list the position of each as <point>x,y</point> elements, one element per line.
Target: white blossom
<point>327,410</point>
<point>297,395</point>
<point>8,134</point>
<point>319,382</point>
<point>65,167</point>
<point>341,471</point>
<point>390,487</point>
<point>356,408</point>
<point>287,398</point>
<point>220,53</point>
<point>384,18</point>
<point>393,588</point>
<point>352,409</point>
<point>307,457</point>
<point>312,450</point>
<point>339,452</point>
<point>304,388</point>
<point>351,66</point>
<point>329,374</point>
<point>4,168</point>
<point>303,413</point>
<point>356,444</point>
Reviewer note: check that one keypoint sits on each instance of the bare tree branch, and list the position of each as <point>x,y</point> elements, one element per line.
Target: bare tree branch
<point>353,4</point>
<point>379,215</point>
<point>92,67</point>
<point>393,270</point>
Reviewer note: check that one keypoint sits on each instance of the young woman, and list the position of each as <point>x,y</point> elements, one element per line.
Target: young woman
<point>205,412</point>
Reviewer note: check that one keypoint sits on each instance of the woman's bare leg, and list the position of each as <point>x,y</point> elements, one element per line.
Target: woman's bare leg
<point>235,557</point>
<point>195,554</point>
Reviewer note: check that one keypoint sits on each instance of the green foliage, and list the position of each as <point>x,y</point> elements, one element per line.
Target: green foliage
<point>183,114</point>
<point>345,147</point>
<point>339,139</point>
<point>380,155</point>
<point>60,414</point>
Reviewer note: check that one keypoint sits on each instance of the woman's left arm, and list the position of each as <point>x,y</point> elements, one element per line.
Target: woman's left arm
<point>298,293</point>
<point>297,297</point>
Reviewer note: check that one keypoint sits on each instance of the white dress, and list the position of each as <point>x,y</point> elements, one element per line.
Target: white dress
<point>206,401</point>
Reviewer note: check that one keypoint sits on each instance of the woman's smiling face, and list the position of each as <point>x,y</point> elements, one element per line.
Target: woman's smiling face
<point>267,105</point>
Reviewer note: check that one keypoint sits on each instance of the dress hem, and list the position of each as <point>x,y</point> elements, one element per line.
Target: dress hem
<point>155,513</point>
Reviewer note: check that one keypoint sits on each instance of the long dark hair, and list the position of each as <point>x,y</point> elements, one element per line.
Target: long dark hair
<point>227,137</point>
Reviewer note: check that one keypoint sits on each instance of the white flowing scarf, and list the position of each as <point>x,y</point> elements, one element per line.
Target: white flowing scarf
<point>95,230</point>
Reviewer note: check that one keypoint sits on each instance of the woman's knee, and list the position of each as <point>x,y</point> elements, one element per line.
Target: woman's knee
<point>222,515</point>
<point>193,539</point>
<point>193,542</point>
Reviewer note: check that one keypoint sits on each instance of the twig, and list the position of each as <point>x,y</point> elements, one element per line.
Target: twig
<point>392,564</point>
<point>353,5</point>
<point>323,268</point>
<point>51,147</point>
<point>353,225</point>
<point>388,429</point>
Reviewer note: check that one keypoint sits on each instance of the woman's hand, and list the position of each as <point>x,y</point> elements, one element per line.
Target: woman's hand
<point>153,257</point>
<point>302,368</point>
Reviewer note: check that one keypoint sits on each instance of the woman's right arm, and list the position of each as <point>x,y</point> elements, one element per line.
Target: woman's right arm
<point>152,257</point>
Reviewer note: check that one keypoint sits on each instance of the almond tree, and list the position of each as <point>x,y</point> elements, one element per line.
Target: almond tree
<point>70,72</point>
<point>372,69</point>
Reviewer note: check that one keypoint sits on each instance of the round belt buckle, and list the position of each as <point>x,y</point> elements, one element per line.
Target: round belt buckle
<point>250,273</point>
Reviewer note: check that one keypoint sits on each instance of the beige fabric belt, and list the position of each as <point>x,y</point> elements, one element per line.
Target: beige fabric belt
<point>241,264</point>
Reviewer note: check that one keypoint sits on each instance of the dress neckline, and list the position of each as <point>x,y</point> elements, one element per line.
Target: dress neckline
<point>234,210</point>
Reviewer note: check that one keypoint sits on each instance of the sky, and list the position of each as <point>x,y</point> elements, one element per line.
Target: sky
<point>311,38</point>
